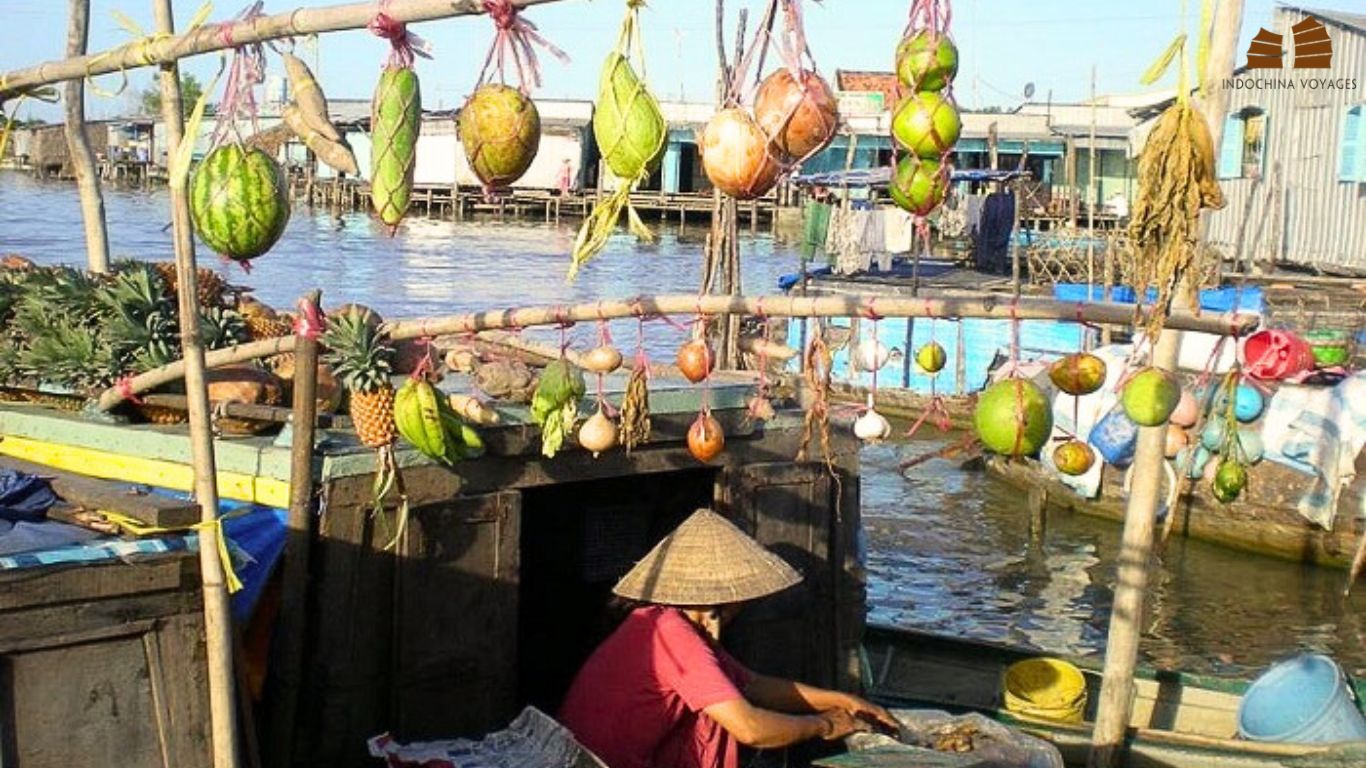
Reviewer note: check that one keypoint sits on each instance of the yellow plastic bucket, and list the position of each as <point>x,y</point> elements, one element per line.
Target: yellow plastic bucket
<point>1046,688</point>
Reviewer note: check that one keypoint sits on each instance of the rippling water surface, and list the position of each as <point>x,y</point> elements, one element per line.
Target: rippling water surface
<point>949,551</point>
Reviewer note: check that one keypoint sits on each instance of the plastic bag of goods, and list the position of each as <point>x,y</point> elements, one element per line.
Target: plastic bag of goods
<point>970,735</point>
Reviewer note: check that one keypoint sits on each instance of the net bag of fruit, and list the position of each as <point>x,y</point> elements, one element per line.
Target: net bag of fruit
<point>395,120</point>
<point>631,133</point>
<point>499,125</point>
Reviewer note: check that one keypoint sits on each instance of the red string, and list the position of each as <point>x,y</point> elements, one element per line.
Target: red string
<point>937,413</point>
<point>308,323</point>
<point>248,69</point>
<point>403,44</point>
<point>124,387</point>
<point>514,39</point>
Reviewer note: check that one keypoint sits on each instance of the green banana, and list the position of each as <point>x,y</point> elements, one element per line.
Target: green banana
<point>429,412</point>
<point>426,420</point>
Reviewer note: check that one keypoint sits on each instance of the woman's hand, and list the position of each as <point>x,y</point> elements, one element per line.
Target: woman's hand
<point>862,708</point>
<point>840,723</point>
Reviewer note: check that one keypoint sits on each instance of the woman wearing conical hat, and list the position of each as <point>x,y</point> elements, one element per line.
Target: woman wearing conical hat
<point>660,692</point>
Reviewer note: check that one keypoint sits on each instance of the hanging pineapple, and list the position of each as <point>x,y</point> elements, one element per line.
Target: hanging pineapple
<point>362,360</point>
<point>395,122</point>
<point>631,134</point>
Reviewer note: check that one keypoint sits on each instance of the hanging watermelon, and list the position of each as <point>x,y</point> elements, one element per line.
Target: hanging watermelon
<point>500,130</point>
<point>238,201</point>
<point>800,116</point>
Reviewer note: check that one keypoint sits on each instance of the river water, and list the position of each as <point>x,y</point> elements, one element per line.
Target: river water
<point>949,551</point>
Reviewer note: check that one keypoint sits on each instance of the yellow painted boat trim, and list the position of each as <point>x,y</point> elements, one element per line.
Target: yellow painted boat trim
<point>134,469</point>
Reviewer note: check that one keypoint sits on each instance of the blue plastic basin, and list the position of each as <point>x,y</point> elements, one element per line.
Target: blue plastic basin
<point>1305,700</point>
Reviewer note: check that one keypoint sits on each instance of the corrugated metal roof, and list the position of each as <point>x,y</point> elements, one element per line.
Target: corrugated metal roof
<point>1355,21</point>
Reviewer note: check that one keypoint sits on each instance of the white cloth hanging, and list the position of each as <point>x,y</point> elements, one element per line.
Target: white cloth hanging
<point>898,230</point>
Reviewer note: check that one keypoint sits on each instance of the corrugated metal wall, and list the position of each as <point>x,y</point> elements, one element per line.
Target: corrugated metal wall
<point>1299,212</point>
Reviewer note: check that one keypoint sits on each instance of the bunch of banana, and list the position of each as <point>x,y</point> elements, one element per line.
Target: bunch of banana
<point>426,419</point>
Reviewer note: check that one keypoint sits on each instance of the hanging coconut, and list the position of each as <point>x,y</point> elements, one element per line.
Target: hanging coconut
<point>238,201</point>
<point>1078,374</point>
<point>1013,418</point>
<point>500,130</point>
<point>919,185</point>
<point>736,157</point>
<point>926,61</point>
<point>395,120</point>
<point>799,117</point>
<point>1151,396</point>
<point>926,124</point>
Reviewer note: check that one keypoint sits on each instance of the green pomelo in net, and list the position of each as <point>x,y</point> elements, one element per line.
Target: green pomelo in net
<point>627,123</point>
<point>926,63</point>
<point>1013,418</point>
<point>926,124</point>
<point>917,185</point>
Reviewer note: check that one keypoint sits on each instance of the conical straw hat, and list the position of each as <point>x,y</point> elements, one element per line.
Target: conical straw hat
<point>706,561</point>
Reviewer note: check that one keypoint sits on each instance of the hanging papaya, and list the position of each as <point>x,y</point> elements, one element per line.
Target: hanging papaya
<point>736,156</point>
<point>918,185</point>
<point>238,201</point>
<point>500,130</point>
<point>799,116</point>
<point>926,61</point>
<point>395,121</point>
<point>927,124</point>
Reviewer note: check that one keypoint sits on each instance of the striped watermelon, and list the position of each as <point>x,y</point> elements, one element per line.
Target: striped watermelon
<point>395,121</point>
<point>238,201</point>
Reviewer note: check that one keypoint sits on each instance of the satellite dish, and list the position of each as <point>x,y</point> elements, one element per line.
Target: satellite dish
<point>1029,90</point>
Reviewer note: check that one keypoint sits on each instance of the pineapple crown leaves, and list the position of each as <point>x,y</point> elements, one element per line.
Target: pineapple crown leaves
<point>68,355</point>
<point>220,328</point>
<point>360,356</point>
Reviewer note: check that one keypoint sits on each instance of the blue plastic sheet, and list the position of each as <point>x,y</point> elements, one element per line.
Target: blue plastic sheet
<point>1225,299</point>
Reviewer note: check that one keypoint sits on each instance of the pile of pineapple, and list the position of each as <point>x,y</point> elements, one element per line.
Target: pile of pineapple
<point>66,334</point>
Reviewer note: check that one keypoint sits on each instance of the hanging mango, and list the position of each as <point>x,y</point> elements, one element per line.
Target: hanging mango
<point>238,199</point>
<point>395,122</point>
<point>630,132</point>
<point>499,126</point>
<point>795,105</point>
<point>925,122</point>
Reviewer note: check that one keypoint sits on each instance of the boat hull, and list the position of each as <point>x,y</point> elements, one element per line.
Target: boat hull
<point>1179,720</point>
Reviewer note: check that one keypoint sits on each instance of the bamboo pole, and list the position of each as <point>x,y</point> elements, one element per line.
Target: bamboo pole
<point>217,618</point>
<point>78,146</point>
<point>221,36</point>
<point>988,306</point>
<point>293,615</point>
<point>1140,517</point>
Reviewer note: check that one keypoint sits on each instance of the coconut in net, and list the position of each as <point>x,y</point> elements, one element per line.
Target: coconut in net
<point>395,120</point>
<point>631,133</point>
<point>238,201</point>
<point>794,105</point>
<point>925,122</point>
<point>499,125</point>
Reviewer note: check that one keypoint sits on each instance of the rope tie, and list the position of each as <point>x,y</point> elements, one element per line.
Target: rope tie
<point>404,45</point>
<point>138,528</point>
<point>124,386</point>
<point>515,39</point>
<point>308,323</point>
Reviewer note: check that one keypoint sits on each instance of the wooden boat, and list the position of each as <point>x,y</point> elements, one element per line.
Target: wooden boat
<point>1179,720</point>
<point>1263,520</point>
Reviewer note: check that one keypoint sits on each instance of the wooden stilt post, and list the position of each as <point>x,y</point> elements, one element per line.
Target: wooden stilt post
<point>78,146</point>
<point>1126,617</point>
<point>293,615</point>
<point>217,618</point>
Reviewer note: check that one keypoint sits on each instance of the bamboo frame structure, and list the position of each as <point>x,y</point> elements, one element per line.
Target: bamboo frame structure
<point>78,146</point>
<point>999,307</point>
<point>1126,615</point>
<point>208,38</point>
<point>217,615</point>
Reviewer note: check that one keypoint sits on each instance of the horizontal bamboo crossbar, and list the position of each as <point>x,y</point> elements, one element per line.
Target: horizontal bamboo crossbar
<point>220,36</point>
<point>991,306</point>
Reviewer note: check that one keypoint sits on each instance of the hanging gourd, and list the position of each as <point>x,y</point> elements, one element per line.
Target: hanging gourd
<point>919,185</point>
<point>499,126</point>
<point>800,113</point>
<point>926,124</point>
<point>1013,418</point>
<point>926,61</point>
<point>395,122</point>
<point>239,202</point>
<point>735,155</point>
<point>630,132</point>
<point>925,121</point>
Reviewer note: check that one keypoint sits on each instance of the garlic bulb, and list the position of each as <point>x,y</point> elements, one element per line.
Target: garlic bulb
<point>869,355</point>
<point>872,427</point>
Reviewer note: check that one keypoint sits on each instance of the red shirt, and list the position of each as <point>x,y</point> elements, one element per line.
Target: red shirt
<point>638,701</point>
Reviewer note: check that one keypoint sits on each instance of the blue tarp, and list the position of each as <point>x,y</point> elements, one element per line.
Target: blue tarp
<point>1226,299</point>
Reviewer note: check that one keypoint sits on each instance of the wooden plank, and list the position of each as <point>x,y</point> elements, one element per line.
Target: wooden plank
<point>30,628</point>
<point>92,494</point>
<point>58,585</point>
